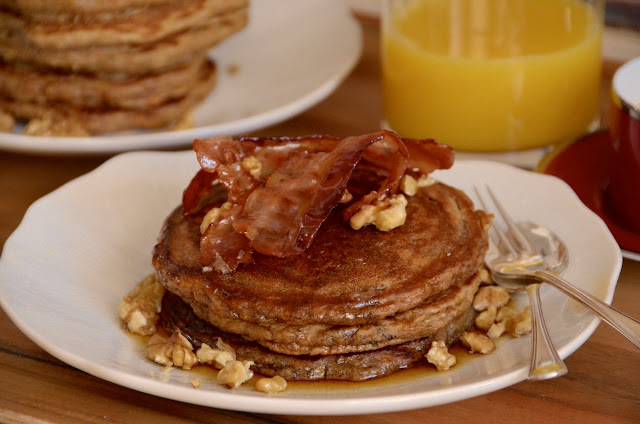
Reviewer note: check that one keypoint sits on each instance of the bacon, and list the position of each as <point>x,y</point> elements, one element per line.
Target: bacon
<point>279,212</point>
<point>425,156</point>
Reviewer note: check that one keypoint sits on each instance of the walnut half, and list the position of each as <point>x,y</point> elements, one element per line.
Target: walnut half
<point>439,356</point>
<point>139,309</point>
<point>274,384</point>
<point>386,214</point>
<point>235,373</point>
<point>175,350</point>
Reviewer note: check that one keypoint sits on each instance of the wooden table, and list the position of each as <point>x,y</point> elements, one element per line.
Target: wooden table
<point>603,384</point>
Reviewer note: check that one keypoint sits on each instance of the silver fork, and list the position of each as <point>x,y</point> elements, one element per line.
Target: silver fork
<point>511,248</point>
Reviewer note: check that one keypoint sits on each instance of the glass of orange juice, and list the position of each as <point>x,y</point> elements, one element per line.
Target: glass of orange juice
<point>492,75</point>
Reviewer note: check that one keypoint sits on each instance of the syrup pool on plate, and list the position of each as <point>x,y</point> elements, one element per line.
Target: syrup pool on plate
<point>491,75</point>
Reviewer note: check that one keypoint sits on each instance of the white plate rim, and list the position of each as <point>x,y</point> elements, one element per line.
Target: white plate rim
<point>347,39</point>
<point>237,400</point>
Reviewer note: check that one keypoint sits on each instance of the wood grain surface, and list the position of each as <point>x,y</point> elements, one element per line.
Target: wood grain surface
<point>603,384</point>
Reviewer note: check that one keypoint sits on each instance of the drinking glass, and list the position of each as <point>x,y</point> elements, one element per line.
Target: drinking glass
<point>492,75</point>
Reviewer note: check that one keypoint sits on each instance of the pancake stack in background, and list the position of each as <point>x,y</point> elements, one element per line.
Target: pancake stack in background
<point>110,65</point>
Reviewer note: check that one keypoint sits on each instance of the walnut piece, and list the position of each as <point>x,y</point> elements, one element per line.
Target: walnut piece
<point>485,276</point>
<point>408,185</point>
<point>274,384</point>
<point>252,165</point>
<point>425,181</point>
<point>519,324</point>
<point>195,383</point>
<point>212,217</point>
<point>139,309</point>
<point>486,319</point>
<point>477,343</point>
<point>439,356</point>
<point>235,373</point>
<point>7,122</point>
<point>386,214</point>
<point>185,122</point>
<point>55,127</point>
<point>216,357</point>
<point>496,330</point>
<point>175,350</point>
<point>490,295</point>
<point>346,197</point>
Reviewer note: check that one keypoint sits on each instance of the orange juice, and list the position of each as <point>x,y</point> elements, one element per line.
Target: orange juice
<point>492,75</point>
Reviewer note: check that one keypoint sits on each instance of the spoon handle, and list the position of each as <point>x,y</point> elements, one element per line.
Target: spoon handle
<point>623,323</point>
<point>545,361</point>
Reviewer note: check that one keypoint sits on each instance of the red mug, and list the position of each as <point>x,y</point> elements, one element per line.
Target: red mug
<point>623,191</point>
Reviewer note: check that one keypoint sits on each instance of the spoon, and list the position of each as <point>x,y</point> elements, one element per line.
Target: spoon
<point>553,249</point>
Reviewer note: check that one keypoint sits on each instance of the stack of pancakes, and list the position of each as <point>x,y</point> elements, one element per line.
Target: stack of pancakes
<point>111,65</point>
<point>355,305</point>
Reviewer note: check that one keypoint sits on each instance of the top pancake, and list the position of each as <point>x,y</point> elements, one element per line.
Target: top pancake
<point>346,276</point>
<point>137,26</point>
<point>76,6</point>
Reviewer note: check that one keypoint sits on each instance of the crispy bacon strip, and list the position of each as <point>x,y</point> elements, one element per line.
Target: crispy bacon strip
<point>279,212</point>
<point>282,217</point>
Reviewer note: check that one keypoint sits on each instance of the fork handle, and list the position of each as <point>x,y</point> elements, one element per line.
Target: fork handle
<point>623,323</point>
<point>545,361</point>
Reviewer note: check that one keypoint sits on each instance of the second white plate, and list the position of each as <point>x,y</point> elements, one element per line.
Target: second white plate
<point>291,56</point>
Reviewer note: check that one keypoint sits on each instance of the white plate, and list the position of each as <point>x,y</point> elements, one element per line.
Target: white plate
<point>292,55</point>
<point>82,247</point>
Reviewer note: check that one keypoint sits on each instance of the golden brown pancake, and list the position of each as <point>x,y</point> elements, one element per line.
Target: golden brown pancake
<point>76,6</point>
<point>319,339</point>
<point>130,59</point>
<point>177,315</point>
<point>102,120</point>
<point>346,277</point>
<point>128,27</point>
<point>33,85</point>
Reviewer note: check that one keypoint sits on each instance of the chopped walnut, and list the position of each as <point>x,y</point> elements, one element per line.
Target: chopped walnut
<point>175,350</point>
<point>195,383</point>
<point>139,309</point>
<point>485,319</point>
<point>274,384</point>
<point>185,122</point>
<point>520,324</point>
<point>506,313</point>
<point>217,357</point>
<point>386,214</point>
<point>511,321</point>
<point>212,216</point>
<point>7,122</point>
<point>346,197</point>
<point>477,343</point>
<point>485,276</point>
<point>425,181</point>
<point>490,295</point>
<point>439,356</point>
<point>253,166</point>
<point>55,127</point>
<point>235,373</point>
<point>408,185</point>
<point>496,330</point>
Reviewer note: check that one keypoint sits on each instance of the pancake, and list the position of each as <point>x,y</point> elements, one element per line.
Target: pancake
<point>345,277</point>
<point>177,315</point>
<point>317,339</point>
<point>131,59</point>
<point>32,85</point>
<point>128,27</point>
<point>76,6</point>
<point>103,120</point>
